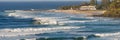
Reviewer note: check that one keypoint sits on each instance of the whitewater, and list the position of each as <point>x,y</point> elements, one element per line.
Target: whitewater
<point>44,25</point>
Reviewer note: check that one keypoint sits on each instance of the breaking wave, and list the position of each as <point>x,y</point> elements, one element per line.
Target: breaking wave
<point>58,21</point>
<point>107,34</point>
<point>28,31</point>
<point>73,21</point>
<point>19,15</point>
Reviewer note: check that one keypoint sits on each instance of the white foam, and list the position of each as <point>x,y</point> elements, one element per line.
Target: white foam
<point>28,31</point>
<point>107,34</point>
<point>19,15</point>
<point>90,17</point>
<point>13,14</point>
<point>30,15</point>
<point>45,21</point>
<point>49,21</point>
<point>80,21</point>
<point>31,39</point>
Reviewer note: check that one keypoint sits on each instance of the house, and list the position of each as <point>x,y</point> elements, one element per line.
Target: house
<point>87,8</point>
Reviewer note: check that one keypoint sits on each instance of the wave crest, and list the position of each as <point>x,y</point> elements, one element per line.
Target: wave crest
<point>28,31</point>
<point>107,34</point>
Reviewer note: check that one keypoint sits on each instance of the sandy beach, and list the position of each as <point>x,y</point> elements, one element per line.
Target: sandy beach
<point>88,12</point>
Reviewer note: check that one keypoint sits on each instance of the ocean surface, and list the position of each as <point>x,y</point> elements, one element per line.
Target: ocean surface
<point>25,25</point>
<point>36,5</point>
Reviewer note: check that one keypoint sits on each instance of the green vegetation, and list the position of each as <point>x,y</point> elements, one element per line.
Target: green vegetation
<point>93,2</point>
<point>75,7</point>
<point>105,4</point>
<point>69,7</point>
<point>113,9</point>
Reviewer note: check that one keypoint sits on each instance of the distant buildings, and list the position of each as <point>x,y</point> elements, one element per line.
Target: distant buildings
<point>87,8</point>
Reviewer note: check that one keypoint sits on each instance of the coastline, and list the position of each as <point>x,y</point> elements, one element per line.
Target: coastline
<point>87,12</point>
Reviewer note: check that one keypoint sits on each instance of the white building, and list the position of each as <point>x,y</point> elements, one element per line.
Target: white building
<point>87,8</point>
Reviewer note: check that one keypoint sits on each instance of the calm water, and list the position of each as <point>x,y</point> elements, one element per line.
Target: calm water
<point>20,25</point>
<point>35,5</point>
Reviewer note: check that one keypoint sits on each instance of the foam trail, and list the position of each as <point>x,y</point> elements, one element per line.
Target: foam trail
<point>73,21</point>
<point>19,15</point>
<point>49,21</point>
<point>28,31</point>
<point>31,15</point>
<point>107,34</point>
<point>30,39</point>
<point>13,14</point>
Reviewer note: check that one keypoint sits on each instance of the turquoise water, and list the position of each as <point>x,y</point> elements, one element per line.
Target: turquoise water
<point>20,25</point>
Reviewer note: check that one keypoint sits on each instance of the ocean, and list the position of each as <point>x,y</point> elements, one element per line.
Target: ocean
<point>25,25</point>
<point>35,5</point>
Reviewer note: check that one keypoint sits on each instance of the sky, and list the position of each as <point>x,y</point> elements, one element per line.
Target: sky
<point>44,0</point>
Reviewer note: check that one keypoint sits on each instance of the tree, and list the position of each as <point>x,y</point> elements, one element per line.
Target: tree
<point>93,2</point>
<point>114,9</point>
<point>105,4</point>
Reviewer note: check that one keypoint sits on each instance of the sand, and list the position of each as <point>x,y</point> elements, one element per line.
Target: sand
<point>88,12</point>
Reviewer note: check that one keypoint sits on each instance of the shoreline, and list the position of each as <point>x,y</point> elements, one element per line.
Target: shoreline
<point>87,12</point>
